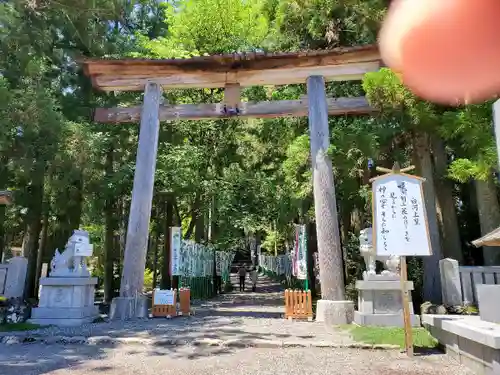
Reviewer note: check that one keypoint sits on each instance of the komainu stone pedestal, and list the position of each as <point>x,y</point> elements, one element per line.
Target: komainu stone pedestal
<point>380,304</point>
<point>334,312</point>
<point>65,301</point>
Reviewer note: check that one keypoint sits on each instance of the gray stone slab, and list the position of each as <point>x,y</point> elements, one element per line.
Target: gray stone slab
<point>470,327</point>
<point>3,279</point>
<point>124,308</point>
<point>335,312</point>
<point>451,286</point>
<point>13,285</point>
<point>384,320</point>
<point>488,297</point>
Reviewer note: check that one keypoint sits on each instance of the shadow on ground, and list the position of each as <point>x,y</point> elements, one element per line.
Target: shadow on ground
<point>38,359</point>
<point>238,318</point>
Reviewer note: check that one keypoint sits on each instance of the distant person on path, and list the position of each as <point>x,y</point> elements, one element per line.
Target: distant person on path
<point>253,278</point>
<point>242,273</point>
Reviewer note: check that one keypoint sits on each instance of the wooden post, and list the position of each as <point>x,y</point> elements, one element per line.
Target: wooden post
<point>406,308</point>
<point>232,95</point>
<point>325,206</point>
<point>132,282</point>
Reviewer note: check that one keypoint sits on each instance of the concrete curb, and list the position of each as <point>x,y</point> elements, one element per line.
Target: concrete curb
<point>235,343</point>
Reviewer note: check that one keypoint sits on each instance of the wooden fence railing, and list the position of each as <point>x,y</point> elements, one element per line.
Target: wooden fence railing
<point>181,305</point>
<point>298,304</point>
<point>470,276</point>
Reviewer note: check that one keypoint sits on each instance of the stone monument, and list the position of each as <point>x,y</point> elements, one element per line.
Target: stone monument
<point>451,285</point>
<point>12,277</point>
<point>379,295</point>
<point>67,295</point>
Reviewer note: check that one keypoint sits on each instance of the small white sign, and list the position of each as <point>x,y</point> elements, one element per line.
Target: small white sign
<point>163,297</point>
<point>175,250</point>
<point>83,249</point>
<point>400,222</point>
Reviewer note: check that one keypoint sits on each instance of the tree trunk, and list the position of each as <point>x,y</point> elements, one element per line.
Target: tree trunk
<point>169,222</point>
<point>423,161</point>
<point>110,227</point>
<point>42,246</point>
<point>194,216</point>
<point>445,204</point>
<point>325,206</point>
<point>489,217</point>
<point>34,226</point>
<point>2,231</point>
<point>199,230</point>
<point>4,180</point>
<point>345,216</point>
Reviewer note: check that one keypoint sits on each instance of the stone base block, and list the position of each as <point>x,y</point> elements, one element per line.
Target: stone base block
<point>65,301</point>
<point>62,322</point>
<point>335,312</point>
<point>488,299</point>
<point>127,308</point>
<point>384,320</point>
<point>63,316</point>
<point>65,313</point>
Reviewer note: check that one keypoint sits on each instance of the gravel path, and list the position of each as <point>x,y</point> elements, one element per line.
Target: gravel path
<point>38,359</point>
<point>238,317</point>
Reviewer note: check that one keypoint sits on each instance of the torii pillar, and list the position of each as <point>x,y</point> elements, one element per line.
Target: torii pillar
<point>332,309</point>
<point>132,303</point>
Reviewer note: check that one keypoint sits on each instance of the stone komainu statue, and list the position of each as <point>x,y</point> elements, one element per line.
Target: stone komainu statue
<point>367,251</point>
<point>71,262</point>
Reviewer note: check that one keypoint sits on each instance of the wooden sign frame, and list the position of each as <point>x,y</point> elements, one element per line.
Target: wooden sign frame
<point>403,265</point>
<point>397,171</point>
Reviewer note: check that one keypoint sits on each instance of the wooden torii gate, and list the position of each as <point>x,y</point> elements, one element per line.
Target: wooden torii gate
<point>232,72</point>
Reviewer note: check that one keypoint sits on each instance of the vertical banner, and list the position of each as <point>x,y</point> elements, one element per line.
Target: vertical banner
<point>301,255</point>
<point>175,251</point>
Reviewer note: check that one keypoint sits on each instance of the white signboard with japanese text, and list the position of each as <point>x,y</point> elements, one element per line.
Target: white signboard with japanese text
<point>163,297</point>
<point>400,222</point>
<point>175,251</point>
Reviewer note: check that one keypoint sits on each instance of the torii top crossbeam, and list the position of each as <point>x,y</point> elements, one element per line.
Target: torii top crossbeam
<point>245,69</point>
